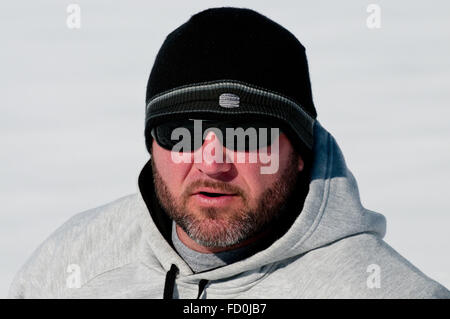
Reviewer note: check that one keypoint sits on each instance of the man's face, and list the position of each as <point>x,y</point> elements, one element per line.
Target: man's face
<point>223,203</point>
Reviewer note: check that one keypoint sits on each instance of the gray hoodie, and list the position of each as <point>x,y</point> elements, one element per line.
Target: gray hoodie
<point>334,249</point>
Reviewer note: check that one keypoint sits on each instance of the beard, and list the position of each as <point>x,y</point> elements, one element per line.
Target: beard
<point>221,227</point>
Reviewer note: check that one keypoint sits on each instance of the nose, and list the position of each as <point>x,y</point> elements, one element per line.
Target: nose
<point>212,159</point>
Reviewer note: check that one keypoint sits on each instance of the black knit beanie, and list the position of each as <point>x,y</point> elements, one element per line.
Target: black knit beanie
<point>232,63</point>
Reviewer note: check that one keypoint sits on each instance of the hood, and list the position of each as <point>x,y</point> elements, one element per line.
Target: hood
<point>332,210</point>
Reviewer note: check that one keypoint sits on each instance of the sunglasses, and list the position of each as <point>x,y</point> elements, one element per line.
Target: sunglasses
<point>234,135</point>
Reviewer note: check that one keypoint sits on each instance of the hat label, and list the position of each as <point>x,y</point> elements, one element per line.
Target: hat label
<point>228,100</point>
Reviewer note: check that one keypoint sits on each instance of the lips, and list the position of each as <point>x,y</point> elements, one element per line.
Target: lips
<point>211,194</point>
<point>213,197</point>
<point>208,192</point>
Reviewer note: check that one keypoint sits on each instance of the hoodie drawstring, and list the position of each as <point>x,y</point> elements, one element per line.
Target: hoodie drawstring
<point>201,286</point>
<point>170,282</point>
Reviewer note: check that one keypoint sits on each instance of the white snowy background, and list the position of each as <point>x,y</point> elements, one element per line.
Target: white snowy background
<point>72,110</point>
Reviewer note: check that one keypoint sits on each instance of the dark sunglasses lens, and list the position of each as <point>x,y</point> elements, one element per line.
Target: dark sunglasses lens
<point>249,136</point>
<point>169,135</point>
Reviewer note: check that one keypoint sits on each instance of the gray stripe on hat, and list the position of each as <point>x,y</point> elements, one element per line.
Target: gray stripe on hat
<point>228,85</point>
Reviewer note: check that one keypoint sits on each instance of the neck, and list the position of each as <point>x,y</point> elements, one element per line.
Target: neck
<point>192,244</point>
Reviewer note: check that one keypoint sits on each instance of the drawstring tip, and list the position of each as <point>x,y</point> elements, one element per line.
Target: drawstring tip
<point>169,285</point>
<point>201,287</point>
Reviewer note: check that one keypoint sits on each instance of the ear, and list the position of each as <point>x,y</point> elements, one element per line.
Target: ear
<point>301,163</point>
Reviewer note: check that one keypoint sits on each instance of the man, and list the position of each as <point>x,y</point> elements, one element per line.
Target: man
<point>246,195</point>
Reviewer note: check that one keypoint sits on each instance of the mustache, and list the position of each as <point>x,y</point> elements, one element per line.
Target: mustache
<point>219,186</point>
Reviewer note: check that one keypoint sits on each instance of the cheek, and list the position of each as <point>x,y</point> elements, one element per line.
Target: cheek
<point>256,183</point>
<point>171,173</point>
